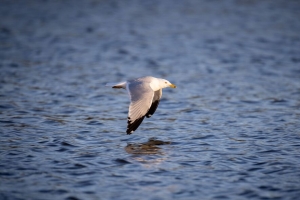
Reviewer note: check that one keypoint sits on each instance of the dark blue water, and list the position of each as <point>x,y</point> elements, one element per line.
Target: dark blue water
<point>230,130</point>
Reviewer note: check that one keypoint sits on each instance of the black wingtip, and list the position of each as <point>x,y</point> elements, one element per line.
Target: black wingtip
<point>132,126</point>
<point>152,109</point>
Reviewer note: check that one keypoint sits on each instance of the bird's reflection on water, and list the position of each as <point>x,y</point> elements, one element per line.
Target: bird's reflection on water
<point>149,147</point>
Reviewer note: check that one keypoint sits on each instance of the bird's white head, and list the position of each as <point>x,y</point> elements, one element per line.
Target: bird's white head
<point>165,83</point>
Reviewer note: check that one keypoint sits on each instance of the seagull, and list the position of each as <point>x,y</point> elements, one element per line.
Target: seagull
<point>145,94</point>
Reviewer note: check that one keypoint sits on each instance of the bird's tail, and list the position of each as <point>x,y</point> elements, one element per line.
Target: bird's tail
<point>117,85</point>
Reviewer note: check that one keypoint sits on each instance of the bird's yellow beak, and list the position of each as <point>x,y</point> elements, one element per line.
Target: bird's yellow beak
<point>173,86</point>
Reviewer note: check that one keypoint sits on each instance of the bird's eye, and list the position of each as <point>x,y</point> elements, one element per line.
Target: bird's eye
<point>165,82</point>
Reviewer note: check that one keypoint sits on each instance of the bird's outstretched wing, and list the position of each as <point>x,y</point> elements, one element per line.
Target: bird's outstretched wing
<point>155,102</point>
<point>141,96</point>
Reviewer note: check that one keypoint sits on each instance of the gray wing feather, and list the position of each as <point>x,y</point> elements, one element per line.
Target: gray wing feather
<point>141,96</point>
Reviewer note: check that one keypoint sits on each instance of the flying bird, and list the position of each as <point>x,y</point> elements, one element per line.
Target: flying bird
<point>145,94</point>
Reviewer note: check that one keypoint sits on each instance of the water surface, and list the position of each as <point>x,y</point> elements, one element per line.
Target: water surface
<point>230,130</point>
